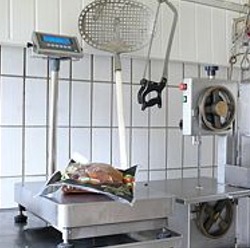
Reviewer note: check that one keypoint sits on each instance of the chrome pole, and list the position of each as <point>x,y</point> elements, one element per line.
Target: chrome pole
<point>53,101</point>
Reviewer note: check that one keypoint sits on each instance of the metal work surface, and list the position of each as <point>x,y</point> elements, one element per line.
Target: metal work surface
<point>186,191</point>
<point>37,235</point>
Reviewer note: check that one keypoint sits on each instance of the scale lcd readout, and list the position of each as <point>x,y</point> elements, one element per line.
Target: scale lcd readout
<point>56,40</point>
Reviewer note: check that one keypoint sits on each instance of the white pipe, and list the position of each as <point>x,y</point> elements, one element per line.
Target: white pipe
<point>121,122</point>
<point>53,122</point>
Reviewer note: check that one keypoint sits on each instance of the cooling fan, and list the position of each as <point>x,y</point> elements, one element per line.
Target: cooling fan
<point>209,106</point>
<point>216,109</point>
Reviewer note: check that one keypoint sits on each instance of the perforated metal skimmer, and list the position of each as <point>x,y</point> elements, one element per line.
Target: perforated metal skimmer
<point>117,26</point>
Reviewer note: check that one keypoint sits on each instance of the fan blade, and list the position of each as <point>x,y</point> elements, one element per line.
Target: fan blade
<point>208,110</point>
<point>216,95</point>
<point>217,123</point>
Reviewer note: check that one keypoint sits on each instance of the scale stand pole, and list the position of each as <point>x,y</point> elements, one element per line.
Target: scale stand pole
<point>53,102</point>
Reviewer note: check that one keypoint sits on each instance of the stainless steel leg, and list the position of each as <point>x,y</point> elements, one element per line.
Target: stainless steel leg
<point>65,237</point>
<point>236,223</point>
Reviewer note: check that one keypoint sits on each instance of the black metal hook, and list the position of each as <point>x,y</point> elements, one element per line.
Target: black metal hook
<point>147,87</point>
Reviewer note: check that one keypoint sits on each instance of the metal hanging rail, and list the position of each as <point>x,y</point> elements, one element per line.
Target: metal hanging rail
<point>235,7</point>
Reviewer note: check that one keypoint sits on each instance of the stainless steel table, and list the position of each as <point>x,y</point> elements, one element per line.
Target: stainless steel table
<point>187,197</point>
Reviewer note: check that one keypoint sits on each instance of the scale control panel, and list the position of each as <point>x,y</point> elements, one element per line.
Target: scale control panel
<point>56,46</point>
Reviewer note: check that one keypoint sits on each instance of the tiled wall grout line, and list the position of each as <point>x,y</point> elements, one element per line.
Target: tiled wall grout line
<point>47,118</point>
<point>92,68</point>
<point>131,113</point>
<point>112,114</point>
<point>70,108</point>
<point>182,137</point>
<point>24,115</point>
<point>149,123</point>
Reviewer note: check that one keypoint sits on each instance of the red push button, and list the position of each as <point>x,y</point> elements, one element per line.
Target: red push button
<point>182,86</point>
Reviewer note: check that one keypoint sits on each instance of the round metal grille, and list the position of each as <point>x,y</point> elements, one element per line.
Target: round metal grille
<point>217,108</point>
<point>214,219</point>
<point>117,26</point>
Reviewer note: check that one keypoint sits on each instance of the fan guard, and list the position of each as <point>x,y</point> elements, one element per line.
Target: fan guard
<point>217,109</point>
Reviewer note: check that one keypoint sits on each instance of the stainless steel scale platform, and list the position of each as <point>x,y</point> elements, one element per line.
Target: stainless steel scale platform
<point>93,215</point>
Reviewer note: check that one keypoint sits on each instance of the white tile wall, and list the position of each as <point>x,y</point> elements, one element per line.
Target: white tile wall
<point>101,98</point>
<point>80,138</point>
<point>175,73</point>
<point>36,67</point>
<point>12,61</point>
<point>6,192</point>
<point>80,104</point>
<point>35,159</point>
<point>11,152</point>
<point>190,153</point>
<point>81,69</point>
<point>11,100</point>
<point>102,68</point>
<point>157,155</point>
<point>174,152</point>
<point>152,143</point>
<point>62,156</point>
<point>140,148</point>
<point>101,145</point>
<point>35,98</point>
<point>63,103</point>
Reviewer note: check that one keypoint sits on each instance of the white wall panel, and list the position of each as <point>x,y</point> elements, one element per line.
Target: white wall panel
<point>187,32</point>
<point>4,25</point>
<point>11,151</point>
<point>22,20</point>
<point>47,16</point>
<point>198,26</point>
<point>167,18</point>
<point>203,22</point>
<point>69,13</point>
<point>219,43</point>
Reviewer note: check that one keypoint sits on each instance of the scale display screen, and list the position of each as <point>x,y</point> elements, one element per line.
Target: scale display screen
<point>57,40</point>
<point>56,46</point>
